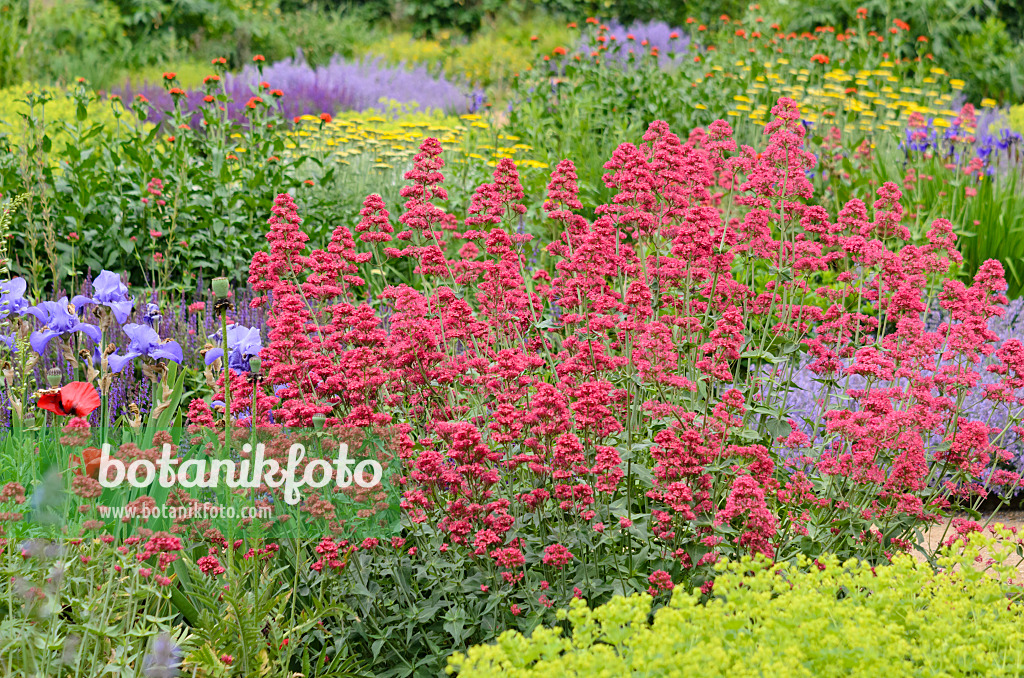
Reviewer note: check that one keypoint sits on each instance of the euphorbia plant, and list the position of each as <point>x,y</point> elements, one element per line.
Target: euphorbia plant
<point>625,423</point>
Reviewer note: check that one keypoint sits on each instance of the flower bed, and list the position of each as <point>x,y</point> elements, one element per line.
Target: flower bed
<point>634,381</point>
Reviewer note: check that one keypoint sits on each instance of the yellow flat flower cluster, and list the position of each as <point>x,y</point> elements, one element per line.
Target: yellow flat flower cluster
<point>390,138</point>
<point>865,101</point>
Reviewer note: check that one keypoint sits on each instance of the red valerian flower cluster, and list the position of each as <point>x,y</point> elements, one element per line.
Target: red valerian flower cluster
<point>628,418</point>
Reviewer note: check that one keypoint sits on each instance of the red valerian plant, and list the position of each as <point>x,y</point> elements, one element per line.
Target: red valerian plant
<point>625,422</point>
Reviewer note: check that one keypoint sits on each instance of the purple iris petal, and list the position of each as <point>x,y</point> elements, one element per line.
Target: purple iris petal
<point>152,315</point>
<point>109,291</point>
<point>40,339</point>
<point>12,297</point>
<point>119,362</point>
<point>144,341</point>
<point>58,318</point>
<point>243,343</point>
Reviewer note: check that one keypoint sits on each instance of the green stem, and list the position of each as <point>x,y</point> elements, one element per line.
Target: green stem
<point>227,378</point>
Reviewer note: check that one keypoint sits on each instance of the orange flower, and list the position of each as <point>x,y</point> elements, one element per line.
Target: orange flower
<point>90,459</point>
<point>559,50</point>
<point>325,117</point>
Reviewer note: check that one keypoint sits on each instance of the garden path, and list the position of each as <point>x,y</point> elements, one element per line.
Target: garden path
<point>934,536</point>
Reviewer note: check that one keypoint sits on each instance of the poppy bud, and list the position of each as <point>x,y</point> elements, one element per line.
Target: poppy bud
<point>255,364</point>
<point>53,377</point>
<point>220,287</point>
<point>318,421</point>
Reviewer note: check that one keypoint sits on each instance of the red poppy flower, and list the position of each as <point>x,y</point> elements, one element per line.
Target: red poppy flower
<point>91,460</point>
<point>78,398</point>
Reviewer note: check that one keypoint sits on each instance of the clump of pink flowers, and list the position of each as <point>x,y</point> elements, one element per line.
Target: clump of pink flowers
<point>626,417</point>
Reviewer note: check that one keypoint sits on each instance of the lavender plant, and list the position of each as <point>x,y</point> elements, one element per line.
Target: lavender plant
<point>339,85</point>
